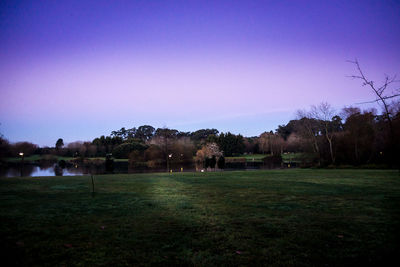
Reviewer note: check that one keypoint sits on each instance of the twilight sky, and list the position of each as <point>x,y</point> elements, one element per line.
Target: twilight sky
<point>80,69</point>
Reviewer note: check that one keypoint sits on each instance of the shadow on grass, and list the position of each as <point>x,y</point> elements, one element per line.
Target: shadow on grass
<point>228,218</point>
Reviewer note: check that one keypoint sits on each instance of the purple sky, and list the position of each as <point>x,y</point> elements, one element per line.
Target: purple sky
<point>80,69</point>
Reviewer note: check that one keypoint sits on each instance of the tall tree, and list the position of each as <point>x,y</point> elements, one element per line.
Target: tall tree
<point>324,114</point>
<point>359,134</point>
<point>231,144</point>
<point>203,134</point>
<point>383,96</point>
<point>286,130</point>
<point>164,137</point>
<point>118,133</point>
<point>145,132</point>
<point>308,128</point>
<point>4,147</point>
<point>59,144</point>
<point>271,143</point>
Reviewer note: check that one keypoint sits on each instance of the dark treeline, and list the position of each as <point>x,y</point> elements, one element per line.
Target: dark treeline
<point>349,137</point>
<point>353,136</point>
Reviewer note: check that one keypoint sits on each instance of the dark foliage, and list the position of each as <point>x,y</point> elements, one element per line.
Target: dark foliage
<point>231,144</point>
<point>221,162</point>
<point>145,132</point>
<point>123,150</point>
<point>203,134</point>
<point>213,161</point>
<point>272,161</point>
<point>109,164</point>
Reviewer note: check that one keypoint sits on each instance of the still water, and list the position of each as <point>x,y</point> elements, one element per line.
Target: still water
<point>53,169</point>
<point>38,170</point>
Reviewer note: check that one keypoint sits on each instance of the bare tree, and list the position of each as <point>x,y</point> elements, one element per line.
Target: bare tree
<point>382,97</point>
<point>272,143</point>
<point>381,92</point>
<point>324,113</point>
<point>307,128</point>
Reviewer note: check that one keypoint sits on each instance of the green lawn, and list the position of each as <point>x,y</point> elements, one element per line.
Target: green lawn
<point>286,157</point>
<point>297,157</point>
<point>38,157</point>
<point>281,217</point>
<point>29,158</point>
<point>256,157</point>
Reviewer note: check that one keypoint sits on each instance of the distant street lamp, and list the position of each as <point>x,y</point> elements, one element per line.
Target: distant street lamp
<point>21,154</point>
<point>181,162</point>
<point>168,159</point>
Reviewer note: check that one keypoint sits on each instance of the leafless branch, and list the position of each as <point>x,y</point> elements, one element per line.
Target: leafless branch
<point>377,100</point>
<point>379,91</point>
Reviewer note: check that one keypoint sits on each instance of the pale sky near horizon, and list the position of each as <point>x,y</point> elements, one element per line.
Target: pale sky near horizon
<point>80,69</point>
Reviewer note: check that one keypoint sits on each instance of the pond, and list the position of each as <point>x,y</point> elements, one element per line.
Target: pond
<point>55,169</point>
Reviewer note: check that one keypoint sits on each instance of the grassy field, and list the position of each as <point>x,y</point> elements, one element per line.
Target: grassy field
<point>38,157</point>
<point>286,157</point>
<point>29,158</point>
<point>252,157</point>
<point>279,218</point>
<point>297,157</point>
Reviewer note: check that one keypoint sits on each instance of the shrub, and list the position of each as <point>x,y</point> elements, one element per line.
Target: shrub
<point>154,153</point>
<point>122,151</point>
<point>221,162</point>
<point>213,161</point>
<point>135,157</point>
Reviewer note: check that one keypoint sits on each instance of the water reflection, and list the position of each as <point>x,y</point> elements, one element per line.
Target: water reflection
<point>37,170</point>
<point>73,169</point>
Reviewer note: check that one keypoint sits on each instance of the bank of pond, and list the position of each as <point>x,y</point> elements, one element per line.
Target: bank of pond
<point>74,167</point>
<point>61,166</point>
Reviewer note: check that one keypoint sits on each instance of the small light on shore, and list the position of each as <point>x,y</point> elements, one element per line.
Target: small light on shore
<point>21,154</point>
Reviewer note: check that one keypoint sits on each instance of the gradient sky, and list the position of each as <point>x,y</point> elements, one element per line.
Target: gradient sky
<point>80,69</point>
